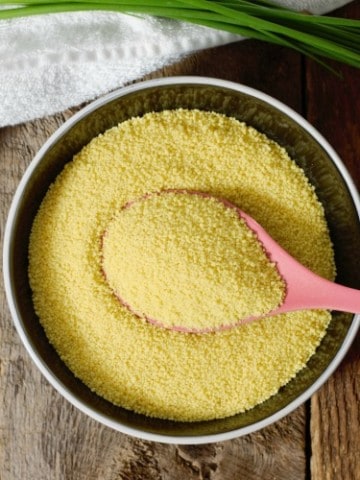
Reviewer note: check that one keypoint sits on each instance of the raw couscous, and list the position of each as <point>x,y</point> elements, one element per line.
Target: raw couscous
<point>127,360</point>
<point>187,261</point>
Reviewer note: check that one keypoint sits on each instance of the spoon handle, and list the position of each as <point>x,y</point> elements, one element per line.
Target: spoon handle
<point>313,291</point>
<point>304,289</point>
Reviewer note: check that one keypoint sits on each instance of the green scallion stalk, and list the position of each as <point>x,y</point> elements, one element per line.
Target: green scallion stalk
<point>315,36</point>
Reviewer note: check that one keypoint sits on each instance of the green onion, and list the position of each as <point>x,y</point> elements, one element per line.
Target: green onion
<point>315,36</point>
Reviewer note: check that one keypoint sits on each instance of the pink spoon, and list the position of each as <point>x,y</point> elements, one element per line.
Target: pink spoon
<point>304,289</point>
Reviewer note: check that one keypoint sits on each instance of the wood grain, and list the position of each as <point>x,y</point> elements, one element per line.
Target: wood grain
<point>333,106</point>
<point>43,437</point>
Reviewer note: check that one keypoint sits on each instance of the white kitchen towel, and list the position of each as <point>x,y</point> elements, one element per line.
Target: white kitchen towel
<point>52,62</point>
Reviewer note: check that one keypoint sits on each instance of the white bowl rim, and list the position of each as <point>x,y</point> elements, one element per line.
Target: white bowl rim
<point>16,317</point>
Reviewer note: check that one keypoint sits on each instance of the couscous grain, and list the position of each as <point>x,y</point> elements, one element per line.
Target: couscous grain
<point>130,362</point>
<point>188,261</point>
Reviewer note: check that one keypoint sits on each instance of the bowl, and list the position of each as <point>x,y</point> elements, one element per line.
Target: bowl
<point>305,145</point>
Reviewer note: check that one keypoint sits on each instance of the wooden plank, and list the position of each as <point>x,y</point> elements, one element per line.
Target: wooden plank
<point>255,64</point>
<point>43,437</point>
<point>333,107</point>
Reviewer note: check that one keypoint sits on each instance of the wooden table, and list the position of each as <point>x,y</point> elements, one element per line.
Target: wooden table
<point>42,437</point>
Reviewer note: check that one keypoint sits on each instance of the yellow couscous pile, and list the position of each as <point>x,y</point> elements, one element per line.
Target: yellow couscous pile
<point>127,360</point>
<point>188,261</point>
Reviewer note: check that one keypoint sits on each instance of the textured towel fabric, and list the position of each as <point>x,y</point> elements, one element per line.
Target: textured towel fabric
<point>53,62</point>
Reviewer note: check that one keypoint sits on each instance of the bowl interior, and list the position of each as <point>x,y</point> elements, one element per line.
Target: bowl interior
<point>303,148</point>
